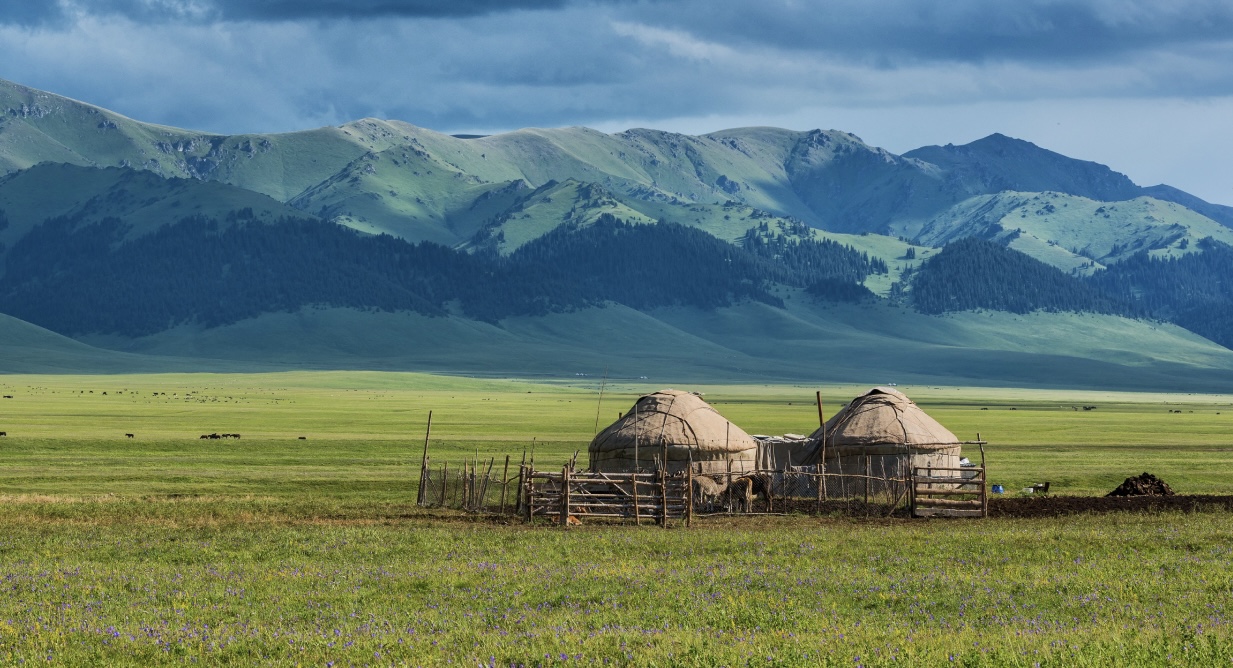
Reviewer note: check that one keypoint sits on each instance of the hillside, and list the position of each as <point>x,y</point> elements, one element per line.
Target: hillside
<point>748,342</point>
<point>745,253</point>
<point>393,177</point>
<point>1075,233</point>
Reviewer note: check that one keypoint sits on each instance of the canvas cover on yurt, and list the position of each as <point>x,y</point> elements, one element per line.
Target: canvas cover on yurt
<point>884,421</point>
<point>684,423</point>
<point>883,434</point>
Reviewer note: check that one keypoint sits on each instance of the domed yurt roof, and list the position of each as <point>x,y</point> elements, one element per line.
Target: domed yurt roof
<point>685,424</point>
<point>885,417</point>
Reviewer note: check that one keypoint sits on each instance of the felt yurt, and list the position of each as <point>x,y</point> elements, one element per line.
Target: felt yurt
<point>883,434</point>
<point>678,424</point>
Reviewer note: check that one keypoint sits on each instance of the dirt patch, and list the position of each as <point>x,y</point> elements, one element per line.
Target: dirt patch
<point>1057,506</point>
<point>1144,485</point>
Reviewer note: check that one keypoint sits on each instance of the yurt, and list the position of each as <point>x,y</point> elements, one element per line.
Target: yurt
<point>684,426</point>
<point>882,433</point>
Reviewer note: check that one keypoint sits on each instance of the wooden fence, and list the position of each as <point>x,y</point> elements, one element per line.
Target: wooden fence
<point>570,496</point>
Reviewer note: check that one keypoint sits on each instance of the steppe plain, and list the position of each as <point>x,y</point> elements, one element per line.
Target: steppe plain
<point>165,548</point>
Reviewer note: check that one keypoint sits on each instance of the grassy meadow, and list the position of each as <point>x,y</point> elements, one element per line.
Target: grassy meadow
<point>271,550</point>
<point>364,431</point>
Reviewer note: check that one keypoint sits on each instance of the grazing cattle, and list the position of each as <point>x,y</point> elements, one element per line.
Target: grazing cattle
<point>4,433</point>
<point>303,438</point>
<point>129,436</point>
<point>741,493</point>
<point>760,484</point>
<point>204,436</point>
<point>8,396</point>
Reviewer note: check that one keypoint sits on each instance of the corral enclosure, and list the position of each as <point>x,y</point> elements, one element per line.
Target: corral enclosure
<point>165,548</point>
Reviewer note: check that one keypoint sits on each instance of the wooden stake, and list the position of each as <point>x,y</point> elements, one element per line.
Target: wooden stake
<point>867,475</point>
<point>663,496</point>
<point>689,491</point>
<point>821,421</point>
<point>483,495</point>
<point>419,496</point>
<point>636,425</point>
<point>600,405</point>
<point>504,485</point>
<point>565,496</point>
<point>445,471</point>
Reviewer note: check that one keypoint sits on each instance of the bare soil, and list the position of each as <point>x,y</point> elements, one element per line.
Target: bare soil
<point>1056,506</point>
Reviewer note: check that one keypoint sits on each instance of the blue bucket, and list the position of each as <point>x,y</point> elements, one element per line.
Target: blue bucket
<point>998,489</point>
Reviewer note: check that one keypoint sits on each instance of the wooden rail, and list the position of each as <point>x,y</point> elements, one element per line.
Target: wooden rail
<point>931,495</point>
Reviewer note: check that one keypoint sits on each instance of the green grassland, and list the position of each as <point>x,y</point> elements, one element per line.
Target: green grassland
<point>117,584</point>
<point>270,550</point>
<point>364,431</point>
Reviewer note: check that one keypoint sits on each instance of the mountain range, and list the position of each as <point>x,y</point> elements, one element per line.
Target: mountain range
<point>742,254</point>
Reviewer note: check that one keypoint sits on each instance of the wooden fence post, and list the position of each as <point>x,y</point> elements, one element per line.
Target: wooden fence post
<point>504,485</point>
<point>867,476</point>
<point>689,491</point>
<point>565,496</point>
<point>529,492</point>
<point>483,495</point>
<point>445,476</point>
<point>820,481</point>
<point>663,496</point>
<point>637,504</point>
<point>419,496</point>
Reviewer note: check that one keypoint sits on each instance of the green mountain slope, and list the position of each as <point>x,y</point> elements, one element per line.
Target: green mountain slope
<point>142,200</point>
<point>390,176</point>
<point>27,348</point>
<point>1075,233</point>
<point>805,341</point>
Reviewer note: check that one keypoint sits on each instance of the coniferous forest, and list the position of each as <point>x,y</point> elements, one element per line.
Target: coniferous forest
<point>977,274</point>
<point>91,278</point>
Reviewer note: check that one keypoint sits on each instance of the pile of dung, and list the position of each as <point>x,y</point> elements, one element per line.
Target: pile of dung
<point>1144,485</point>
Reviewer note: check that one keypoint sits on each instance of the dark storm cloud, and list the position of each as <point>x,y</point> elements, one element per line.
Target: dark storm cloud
<point>61,11</point>
<point>895,31</point>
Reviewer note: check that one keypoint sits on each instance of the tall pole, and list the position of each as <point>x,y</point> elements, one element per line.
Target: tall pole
<point>419,497</point>
<point>600,404</point>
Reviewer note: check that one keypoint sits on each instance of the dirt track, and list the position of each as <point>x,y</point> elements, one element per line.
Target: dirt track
<point>1055,506</point>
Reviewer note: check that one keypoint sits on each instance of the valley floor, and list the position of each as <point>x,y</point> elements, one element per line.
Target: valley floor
<point>166,548</point>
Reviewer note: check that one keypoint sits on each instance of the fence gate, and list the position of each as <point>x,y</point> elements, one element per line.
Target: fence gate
<point>950,492</point>
<point>579,494</point>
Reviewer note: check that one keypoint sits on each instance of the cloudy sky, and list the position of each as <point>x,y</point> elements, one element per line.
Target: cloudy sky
<point>1144,86</point>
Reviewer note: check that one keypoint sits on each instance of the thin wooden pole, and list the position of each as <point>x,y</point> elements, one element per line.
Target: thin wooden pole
<point>820,481</point>
<point>528,483</point>
<point>689,491</point>
<point>504,485</point>
<point>822,456</point>
<point>637,508</point>
<point>565,496</point>
<point>521,466</point>
<point>636,425</point>
<point>984,482</point>
<point>867,475</point>
<point>600,404</point>
<point>729,488</point>
<point>483,496</point>
<point>419,496</point>
<point>663,495</point>
<point>445,472</point>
